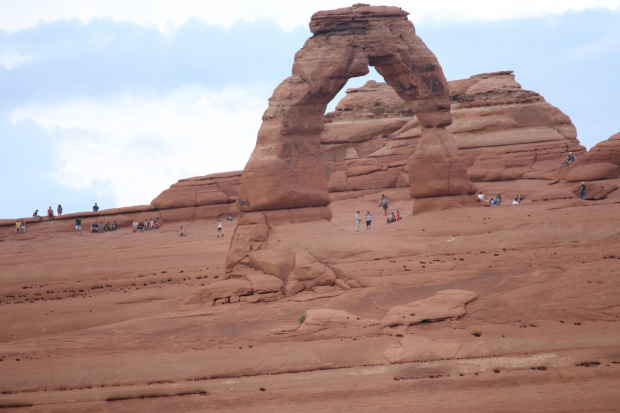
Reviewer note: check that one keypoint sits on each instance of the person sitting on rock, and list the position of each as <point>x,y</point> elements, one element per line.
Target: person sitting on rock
<point>519,196</point>
<point>95,228</point>
<point>114,227</point>
<point>35,214</point>
<point>18,227</point>
<point>135,225</point>
<point>23,228</point>
<point>497,200</point>
<point>570,158</point>
<point>482,197</point>
<point>398,216</point>
<point>50,213</point>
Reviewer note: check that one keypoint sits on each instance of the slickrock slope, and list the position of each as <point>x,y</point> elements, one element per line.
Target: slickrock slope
<point>101,323</point>
<point>476,308</point>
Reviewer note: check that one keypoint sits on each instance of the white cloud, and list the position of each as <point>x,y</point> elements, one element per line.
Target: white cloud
<point>10,59</point>
<point>140,145</point>
<point>168,15</point>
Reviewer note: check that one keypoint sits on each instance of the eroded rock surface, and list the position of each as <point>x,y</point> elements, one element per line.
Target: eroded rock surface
<point>286,169</point>
<point>444,304</point>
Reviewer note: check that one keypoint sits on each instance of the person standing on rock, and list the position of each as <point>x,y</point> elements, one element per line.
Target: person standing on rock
<point>582,193</point>
<point>95,207</point>
<point>384,204</point>
<point>50,212</point>
<point>181,231</point>
<point>358,219</point>
<point>368,220</point>
<point>219,228</point>
<point>78,226</point>
<point>59,210</point>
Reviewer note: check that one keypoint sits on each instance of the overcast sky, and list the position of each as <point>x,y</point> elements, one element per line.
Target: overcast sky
<point>113,101</point>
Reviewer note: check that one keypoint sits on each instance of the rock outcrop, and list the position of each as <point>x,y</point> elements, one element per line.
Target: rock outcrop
<point>502,131</point>
<point>202,196</point>
<point>607,151</point>
<point>286,172</point>
<point>286,169</point>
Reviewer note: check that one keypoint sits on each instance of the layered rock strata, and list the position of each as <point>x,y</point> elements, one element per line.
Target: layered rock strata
<point>502,131</point>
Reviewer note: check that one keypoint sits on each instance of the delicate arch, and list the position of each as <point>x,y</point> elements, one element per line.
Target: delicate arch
<point>286,171</point>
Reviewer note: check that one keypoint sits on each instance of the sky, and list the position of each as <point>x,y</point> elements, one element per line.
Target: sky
<point>113,101</point>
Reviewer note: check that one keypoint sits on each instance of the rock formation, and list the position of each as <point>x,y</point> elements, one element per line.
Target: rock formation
<point>502,131</point>
<point>285,169</point>
<point>284,181</point>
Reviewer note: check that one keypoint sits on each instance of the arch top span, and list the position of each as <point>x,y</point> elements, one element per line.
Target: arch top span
<point>285,170</point>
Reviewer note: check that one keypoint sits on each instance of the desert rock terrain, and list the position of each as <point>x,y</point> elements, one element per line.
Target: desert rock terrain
<point>470,308</point>
<point>97,323</point>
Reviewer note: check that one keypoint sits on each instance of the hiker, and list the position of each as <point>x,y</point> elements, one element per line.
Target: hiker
<point>50,212</point>
<point>384,204</point>
<point>582,191</point>
<point>569,159</point>
<point>18,227</point>
<point>368,220</point>
<point>35,214</point>
<point>519,196</point>
<point>219,228</point>
<point>78,226</point>
<point>358,219</point>
<point>59,210</point>
<point>135,225</point>
<point>181,231</point>
<point>95,207</point>
<point>398,215</point>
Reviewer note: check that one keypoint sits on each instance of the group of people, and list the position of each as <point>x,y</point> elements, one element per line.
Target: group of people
<point>20,227</point>
<point>50,212</point>
<point>148,224</point>
<point>498,199</point>
<point>394,217</point>
<point>220,231</point>
<point>383,203</point>
<point>101,227</point>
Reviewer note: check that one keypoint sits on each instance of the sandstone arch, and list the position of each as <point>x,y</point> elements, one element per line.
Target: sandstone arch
<point>285,170</point>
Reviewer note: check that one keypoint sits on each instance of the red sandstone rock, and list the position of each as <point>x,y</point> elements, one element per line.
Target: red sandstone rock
<point>285,169</point>
<point>605,151</point>
<point>444,304</point>
<point>593,172</point>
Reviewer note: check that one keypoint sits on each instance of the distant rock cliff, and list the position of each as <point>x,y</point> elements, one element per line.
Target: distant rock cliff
<point>502,131</point>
